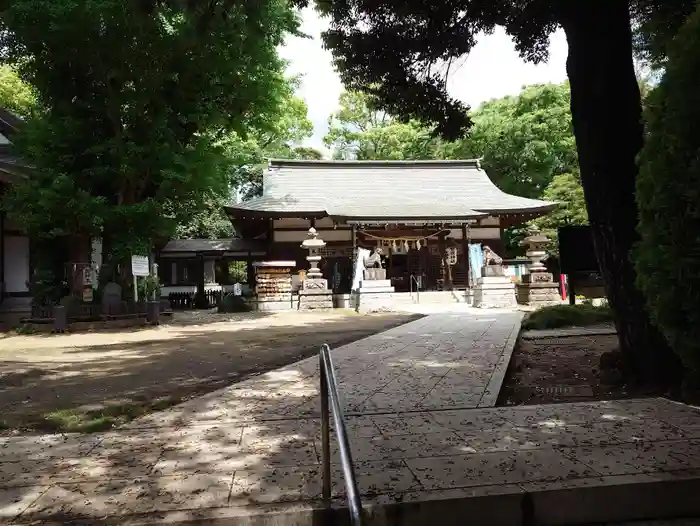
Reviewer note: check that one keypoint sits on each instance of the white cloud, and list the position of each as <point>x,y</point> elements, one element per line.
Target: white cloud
<point>493,69</point>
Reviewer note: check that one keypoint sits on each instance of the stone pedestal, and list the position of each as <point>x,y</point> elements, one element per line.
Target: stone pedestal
<point>538,289</point>
<point>494,289</point>
<point>373,295</point>
<point>375,274</point>
<point>315,294</point>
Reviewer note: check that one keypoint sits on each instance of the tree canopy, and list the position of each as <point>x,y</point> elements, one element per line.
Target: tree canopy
<point>136,107</point>
<point>15,95</point>
<point>525,140</point>
<point>669,195</point>
<point>358,132</point>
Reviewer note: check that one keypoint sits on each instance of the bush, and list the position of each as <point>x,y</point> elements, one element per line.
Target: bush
<point>558,316</point>
<point>232,303</point>
<point>668,193</point>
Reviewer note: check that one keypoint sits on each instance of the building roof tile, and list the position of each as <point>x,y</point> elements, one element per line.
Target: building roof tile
<point>384,190</point>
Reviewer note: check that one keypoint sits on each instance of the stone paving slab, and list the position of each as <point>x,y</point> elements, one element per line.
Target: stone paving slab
<point>568,332</point>
<point>251,453</point>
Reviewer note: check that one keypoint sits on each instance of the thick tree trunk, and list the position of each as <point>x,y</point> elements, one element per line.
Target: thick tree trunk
<point>606,111</point>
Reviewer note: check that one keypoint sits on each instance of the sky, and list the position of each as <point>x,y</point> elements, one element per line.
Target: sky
<point>492,70</point>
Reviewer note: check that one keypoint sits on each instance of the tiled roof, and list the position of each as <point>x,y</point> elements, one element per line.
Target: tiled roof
<point>213,245</point>
<point>384,190</point>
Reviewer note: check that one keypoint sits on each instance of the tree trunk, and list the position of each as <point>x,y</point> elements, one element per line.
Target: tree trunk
<point>606,112</point>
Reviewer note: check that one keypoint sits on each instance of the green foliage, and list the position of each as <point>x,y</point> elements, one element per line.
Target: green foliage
<point>135,104</point>
<point>566,190</point>
<point>358,132</point>
<point>283,130</point>
<point>15,95</point>
<point>668,193</point>
<point>525,140</point>
<point>557,316</point>
<point>232,303</point>
<point>657,23</point>
<point>46,288</point>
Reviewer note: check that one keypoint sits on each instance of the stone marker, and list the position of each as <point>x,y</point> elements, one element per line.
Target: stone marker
<point>111,298</point>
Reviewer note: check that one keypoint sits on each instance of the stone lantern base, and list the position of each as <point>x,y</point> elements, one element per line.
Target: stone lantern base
<point>538,289</point>
<point>315,294</point>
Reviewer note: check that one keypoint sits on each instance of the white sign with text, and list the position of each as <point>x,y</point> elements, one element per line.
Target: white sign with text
<point>139,266</point>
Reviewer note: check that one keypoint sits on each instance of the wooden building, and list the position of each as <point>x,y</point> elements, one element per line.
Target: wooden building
<point>423,214</point>
<point>14,244</point>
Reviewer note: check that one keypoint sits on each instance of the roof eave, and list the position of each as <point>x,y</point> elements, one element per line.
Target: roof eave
<point>239,212</point>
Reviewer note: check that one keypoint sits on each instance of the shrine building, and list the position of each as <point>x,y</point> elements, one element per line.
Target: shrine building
<point>424,215</point>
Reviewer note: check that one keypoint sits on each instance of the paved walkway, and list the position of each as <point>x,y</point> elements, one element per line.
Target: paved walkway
<point>253,448</point>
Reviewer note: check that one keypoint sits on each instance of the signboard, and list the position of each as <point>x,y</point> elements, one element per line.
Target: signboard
<point>139,266</point>
<point>237,289</point>
<point>576,253</point>
<point>87,294</point>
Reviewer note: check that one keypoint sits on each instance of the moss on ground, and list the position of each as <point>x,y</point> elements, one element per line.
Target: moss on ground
<point>95,420</point>
<point>558,316</point>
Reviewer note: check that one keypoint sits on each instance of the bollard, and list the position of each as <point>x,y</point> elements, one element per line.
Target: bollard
<point>60,317</point>
<point>153,312</point>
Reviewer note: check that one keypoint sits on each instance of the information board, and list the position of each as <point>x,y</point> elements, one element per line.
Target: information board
<point>139,266</point>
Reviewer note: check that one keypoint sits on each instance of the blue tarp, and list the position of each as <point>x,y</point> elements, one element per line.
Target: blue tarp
<point>476,260</point>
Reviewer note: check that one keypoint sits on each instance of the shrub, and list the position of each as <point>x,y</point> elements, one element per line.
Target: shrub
<point>558,316</point>
<point>233,303</point>
<point>668,193</point>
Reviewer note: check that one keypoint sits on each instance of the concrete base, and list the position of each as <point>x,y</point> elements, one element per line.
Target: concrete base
<point>375,285</point>
<point>374,295</point>
<point>273,305</point>
<point>538,294</point>
<point>318,299</point>
<point>494,292</point>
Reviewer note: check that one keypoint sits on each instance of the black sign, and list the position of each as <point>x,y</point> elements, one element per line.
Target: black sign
<point>576,252</point>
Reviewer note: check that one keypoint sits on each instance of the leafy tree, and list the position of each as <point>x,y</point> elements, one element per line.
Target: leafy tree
<point>525,140</point>
<point>400,53</point>
<point>669,197</point>
<point>15,95</point>
<point>356,131</point>
<point>566,190</point>
<point>248,156</point>
<point>656,24</point>
<point>137,101</point>
<point>250,153</point>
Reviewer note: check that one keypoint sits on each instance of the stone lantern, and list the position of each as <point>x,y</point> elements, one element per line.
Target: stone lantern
<point>314,293</point>
<point>537,287</point>
<point>536,243</point>
<point>314,245</point>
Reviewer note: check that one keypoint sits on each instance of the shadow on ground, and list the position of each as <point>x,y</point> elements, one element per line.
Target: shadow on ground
<point>178,365</point>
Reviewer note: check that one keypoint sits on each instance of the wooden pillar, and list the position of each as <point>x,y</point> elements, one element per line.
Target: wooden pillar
<point>270,236</point>
<point>465,255</point>
<point>443,263</point>
<point>313,222</point>
<point>200,298</point>
<point>353,239</point>
<point>250,271</point>
<point>2,256</point>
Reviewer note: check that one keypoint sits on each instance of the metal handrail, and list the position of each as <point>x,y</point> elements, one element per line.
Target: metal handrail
<point>414,278</point>
<point>329,393</point>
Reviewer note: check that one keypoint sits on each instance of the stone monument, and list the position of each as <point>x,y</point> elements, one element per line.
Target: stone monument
<point>314,292</point>
<point>494,289</point>
<point>537,287</point>
<point>371,290</point>
<point>111,298</point>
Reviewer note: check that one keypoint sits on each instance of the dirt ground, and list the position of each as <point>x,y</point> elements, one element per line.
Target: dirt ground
<point>193,354</point>
<point>553,370</point>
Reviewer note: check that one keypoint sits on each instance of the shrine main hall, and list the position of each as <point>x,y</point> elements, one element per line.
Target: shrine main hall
<point>424,215</point>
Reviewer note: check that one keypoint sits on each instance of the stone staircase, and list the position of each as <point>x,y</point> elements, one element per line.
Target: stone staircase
<point>415,301</point>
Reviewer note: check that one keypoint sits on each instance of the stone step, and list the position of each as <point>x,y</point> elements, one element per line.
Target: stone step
<point>625,503</point>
